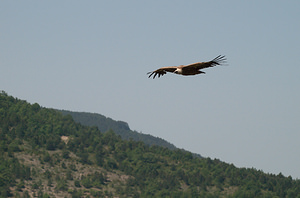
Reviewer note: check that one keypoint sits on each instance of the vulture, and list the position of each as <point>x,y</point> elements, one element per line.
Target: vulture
<point>187,70</point>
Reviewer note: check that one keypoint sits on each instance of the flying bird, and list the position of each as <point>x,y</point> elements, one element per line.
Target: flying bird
<point>186,70</point>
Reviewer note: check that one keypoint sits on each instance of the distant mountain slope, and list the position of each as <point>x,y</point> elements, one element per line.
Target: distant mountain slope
<point>46,154</point>
<point>119,127</point>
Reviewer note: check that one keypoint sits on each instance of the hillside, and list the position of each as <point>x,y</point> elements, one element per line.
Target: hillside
<point>46,154</point>
<point>119,127</point>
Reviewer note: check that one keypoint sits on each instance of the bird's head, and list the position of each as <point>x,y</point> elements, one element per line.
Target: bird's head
<point>178,71</point>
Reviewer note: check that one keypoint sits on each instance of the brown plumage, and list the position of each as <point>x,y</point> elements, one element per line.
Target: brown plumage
<point>186,70</point>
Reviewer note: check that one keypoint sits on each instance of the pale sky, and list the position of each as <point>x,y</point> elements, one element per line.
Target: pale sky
<point>93,56</point>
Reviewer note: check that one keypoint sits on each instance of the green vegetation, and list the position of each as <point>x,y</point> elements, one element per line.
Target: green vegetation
<point>46,154</point>
<point>119,127</point>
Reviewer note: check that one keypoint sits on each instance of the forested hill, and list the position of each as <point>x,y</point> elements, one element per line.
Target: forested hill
<point>119,127</point>
<point>46,154</point>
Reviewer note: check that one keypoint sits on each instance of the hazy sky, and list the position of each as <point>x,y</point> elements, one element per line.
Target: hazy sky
<point>93,56</point>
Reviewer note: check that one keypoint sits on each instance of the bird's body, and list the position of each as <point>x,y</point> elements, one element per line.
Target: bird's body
<point>187,70</point>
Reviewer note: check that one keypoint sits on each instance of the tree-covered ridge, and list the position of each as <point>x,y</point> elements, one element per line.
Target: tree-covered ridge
<point>119,127</point>
<point>46,154</point>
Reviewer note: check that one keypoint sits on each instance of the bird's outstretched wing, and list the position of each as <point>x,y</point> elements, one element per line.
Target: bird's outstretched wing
<point>201,65</point>
<point>161,71</point>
